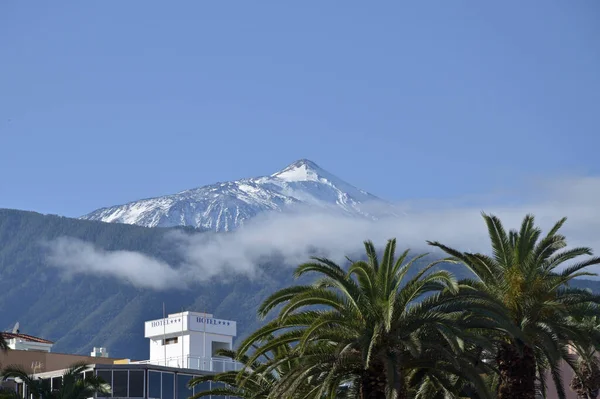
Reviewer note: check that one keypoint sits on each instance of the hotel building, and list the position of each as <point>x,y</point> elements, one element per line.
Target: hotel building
<point>182,346</point>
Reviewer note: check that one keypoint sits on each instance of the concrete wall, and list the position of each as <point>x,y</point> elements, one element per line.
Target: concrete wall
<point>567,374</point>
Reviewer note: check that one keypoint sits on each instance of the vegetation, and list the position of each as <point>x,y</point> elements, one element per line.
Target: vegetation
<point>378,331</point>
<point>260,377</point>
<point>586,381</point>
<point>73,385</point>
<point>528,276</point>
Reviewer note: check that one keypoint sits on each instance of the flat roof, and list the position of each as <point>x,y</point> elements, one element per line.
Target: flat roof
<point>129,366</point>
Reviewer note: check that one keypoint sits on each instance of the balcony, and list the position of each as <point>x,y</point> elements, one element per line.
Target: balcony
<point>213,364</point>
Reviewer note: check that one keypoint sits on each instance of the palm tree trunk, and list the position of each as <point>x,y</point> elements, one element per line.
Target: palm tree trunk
<point>588,388</point>
<point>374,382</point>
<point>517,372</point>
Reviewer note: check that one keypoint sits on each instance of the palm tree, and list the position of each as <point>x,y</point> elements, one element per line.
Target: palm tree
<point>372,326</point>
<point>257,385</point>
<point>435,385</point>
<point>527,275</point>
<point>586,381</point>
<point>259,379</point>
<point>73,386</point>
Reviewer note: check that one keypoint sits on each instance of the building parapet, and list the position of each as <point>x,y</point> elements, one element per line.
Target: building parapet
<point>212,364</point>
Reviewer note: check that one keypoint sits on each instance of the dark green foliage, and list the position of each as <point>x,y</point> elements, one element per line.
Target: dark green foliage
<point>383,332</point>
<point>532,276</point>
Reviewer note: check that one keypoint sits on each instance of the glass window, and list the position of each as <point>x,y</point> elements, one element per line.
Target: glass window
<point>56,383</point>
<point>183,392</point>
<point>154,385</point>
<point>120,384</point>
<point>205,386</point>
<point>217,385</point>
<point>46,383</point>
<point>106,376</point>
<point>136,384</point>
<point>168,386</point>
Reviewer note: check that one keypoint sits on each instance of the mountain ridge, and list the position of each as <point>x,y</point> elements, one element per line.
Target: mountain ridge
<point>225,206</point>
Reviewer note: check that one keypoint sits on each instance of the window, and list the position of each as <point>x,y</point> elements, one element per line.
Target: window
<point>154,385</point>
<point>217,347</point>
<point>168,386</point>
<point>47,383</point>
<point>120,384</point>
<point>56,383</point>
<point>136,384</point>
<point>183,392</point>
<point>106,376</point>
<point>202,387</point>
<point>170,341</point>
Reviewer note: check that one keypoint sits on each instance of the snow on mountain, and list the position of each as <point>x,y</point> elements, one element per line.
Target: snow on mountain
<point>226,206</point>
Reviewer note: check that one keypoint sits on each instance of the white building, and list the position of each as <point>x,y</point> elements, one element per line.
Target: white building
<point>190,340</point>
<point>182,346</point>
<point>25,342</point>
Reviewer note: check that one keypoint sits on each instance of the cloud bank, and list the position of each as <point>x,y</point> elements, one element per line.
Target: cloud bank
<point>295,236</point>
<point>75,256</point>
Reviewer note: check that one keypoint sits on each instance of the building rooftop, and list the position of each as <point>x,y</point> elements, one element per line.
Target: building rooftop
<point>25,337</point>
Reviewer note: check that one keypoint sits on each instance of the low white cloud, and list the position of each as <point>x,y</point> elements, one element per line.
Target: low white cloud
<point>74,256</point>
<point>294,236</point>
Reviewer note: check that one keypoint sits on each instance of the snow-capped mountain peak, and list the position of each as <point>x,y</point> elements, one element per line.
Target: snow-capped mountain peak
<point>301,170</point>
<point>226,206</point>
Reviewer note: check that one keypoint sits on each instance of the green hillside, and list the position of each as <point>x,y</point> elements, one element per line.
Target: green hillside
<point>88,311</point>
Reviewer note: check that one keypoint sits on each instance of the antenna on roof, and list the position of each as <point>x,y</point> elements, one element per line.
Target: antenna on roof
<point>15,329</point>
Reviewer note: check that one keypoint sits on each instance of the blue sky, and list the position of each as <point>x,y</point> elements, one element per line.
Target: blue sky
<point>107,102</point>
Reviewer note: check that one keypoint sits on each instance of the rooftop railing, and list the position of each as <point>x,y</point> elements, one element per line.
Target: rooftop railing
<point>214,364</point>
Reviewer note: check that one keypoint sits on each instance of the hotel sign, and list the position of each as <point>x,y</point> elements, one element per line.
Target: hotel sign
<point>211,321</point>
<point>167,325</point>
<point>165,322</point>
<point>212,325</point>
<point>186,323</point>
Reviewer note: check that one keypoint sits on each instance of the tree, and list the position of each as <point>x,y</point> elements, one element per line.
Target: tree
<point>586,381</point>
<point>73,386</point>
<point>257,385</point>
<point>528,275</point>
<point>257,379</point>
<point>256,388</point>
<point>374,328</point>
